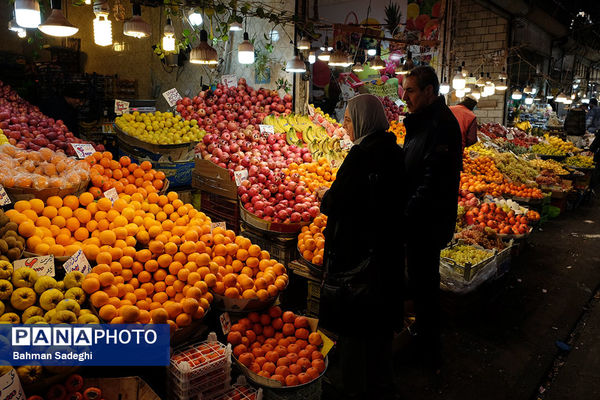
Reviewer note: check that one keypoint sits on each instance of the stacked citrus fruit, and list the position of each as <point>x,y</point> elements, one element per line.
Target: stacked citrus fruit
<point>311,242</point>
<point>482,165</point>
<point>40,169</point>
<point>398,129</point>
<point>123,175</point>
<point>278,345</point>
<point>314,175</point>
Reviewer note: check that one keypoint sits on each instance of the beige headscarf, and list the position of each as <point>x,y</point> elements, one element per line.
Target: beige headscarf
<point>367,115</point>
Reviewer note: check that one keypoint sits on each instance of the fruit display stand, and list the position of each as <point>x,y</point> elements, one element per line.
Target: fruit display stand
<point>304,284</point>
<point>221,209</point>
<point>281,247</point>
<point>209,177</point>
<point>269,226</point>
<point>17,194</point>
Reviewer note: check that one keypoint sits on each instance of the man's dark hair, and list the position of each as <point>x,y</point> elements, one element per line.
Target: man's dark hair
<point>593,102</point>
<point>469,103</point>
<point>426,76</point>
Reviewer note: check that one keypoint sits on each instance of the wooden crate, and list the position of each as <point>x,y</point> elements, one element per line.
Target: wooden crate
<point>284,252</point>
<point>209,177</point>
<point>220,209</point>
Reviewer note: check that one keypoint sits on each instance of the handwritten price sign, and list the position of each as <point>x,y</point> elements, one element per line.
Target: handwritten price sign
<point>121,107</point>
<point>229,80</point>
<point>112,195</point>
<point>266,130</point>
<point>83,150</point>
<point>225,322</point>
<point>43,265</point>
<point>214,225</point>
<point>345,144</point>
<point>4,199</point>
<point>172,96</point>
<point>240,176</point>
<point>78,262</point>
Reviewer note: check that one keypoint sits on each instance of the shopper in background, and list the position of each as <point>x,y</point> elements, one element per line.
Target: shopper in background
<point>593,117</point>
<point>65,107</point>
<point>433,160</point>
<point>361,297</point>
<point>575,125</point>
<point>463,112</point>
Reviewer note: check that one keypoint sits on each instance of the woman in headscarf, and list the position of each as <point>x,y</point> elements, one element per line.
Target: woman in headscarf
<point>364,207</point>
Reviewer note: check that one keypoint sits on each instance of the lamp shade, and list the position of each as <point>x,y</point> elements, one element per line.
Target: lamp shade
<point>528,100</point>
<point>517,95</point>
<point>295,65</point>
<point>481,81</point>
<point>501,85</point>
<point>528,89</point>
<point>303,44</point>
<point>204,54</point>
<point>246,51</point>
<point>324,56</point>
<point>377,63</point>
<point>235,27</point>
<point>57,25</point>
<point>338,58</point>
<point>358,67</point>
<point>27,13</point>
<point>136,27</point>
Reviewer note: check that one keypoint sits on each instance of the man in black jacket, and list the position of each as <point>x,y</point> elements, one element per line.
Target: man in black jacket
<point>433,161</point>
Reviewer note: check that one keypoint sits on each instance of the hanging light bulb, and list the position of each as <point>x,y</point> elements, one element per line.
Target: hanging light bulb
<point>444,87</point>
<point>102,25</point>
<point>573,96</point>
<point>358,67</point>
<point>22,33</point>
<point>326,51</point>
<point>528,100</point>
<point>27,13</point>
<point>195,18</point>
<point>502,75</point>
<point>568,102</point>
<point>489,88</point>
<point>312,57</point>
<point>246,51</point>
<point>204,54</point>
<point>303,44</point>
<point>274,35</point>
<point>517,95</point>
<point>501,85</point>
<point>338,58</point>
<point>470,80</point>
<point>465,72</point>
<point>458,81</point>
<point>57,24</point>
<point>476,94</point>
<point>549,96</point>
<point>460,93</point>
<point>168,41</point>
<point>295,65</point>
<point>136,26</point>
<point>534,90</point>
<point>467,89</point>
<point>88,2</point>
<point>371,52</point>
<point>481,81</point>
<point>236,27</point>
<point>14,27</point>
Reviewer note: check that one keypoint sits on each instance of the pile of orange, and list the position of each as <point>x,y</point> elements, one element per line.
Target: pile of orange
<point>314,175</point>
<point>311,242</point>
<point>398,129</point>
<point>40,169</point>
<point>278,345</point>
<point>483,166</point>
<point>123,175</point>
<point>479,184</point>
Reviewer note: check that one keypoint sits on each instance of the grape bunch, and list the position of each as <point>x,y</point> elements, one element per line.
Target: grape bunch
<point>548,150</point>
<point>465,254</point>
<point>580,161</point>
<point>484,237</point>
<point>514,168</point>
<point>549,165</point>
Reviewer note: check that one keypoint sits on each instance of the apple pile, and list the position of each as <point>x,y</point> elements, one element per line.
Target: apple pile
<point>278,345</point>
<point>232,108</point>
<point>26,127</point>
<point>392,111</point>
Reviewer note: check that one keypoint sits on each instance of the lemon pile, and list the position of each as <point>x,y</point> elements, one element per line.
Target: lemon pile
<point>160,128</point>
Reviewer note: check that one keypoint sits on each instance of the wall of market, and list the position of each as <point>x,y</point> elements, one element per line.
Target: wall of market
<point>477,37</point>
<point>139,62</point>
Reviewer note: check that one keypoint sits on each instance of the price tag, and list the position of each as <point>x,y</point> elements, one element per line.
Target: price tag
<point>121,107</point>
<point>83,150</point>
<point>107,128</point>
<point>346,144</point>
<point>399,103</point>
<point>10,386</point>
<point>225,322</point>
<point>78,262</point>
<point>266,130</point>
<point>112,195</point>
<point>229,80</point>
<point>311,110</point>
<point>214,225</point>
<point>335,164</point>
<point>172,96</point>
<point>4,199</point>
<point>240,176</point>
<point>43,265</point>
<point>510,136</point>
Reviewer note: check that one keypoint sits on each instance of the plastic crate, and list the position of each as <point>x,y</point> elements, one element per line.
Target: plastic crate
<point>199,359</point>
<point>216,384</point>
<point>205,381</point>
<point>284,253</point>
<point>206,394</point>
<point>241,391</point>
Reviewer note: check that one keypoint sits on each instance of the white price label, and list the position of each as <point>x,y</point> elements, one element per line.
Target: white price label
<point>43,265</point>
<point>121,107</point>
<point>345,144</point>
<point>229,80</point>
<point>510,136</point>
<point>335,164</point>
<point>214,225</point>
<point>172,96</point>
<point>112,195</point>
<point>78,262</point>
<point>83,150</point>
<point>266,129</point>
<point>225,322</point>
<point>10,386</point>
<point>240,176</point>
<point>4,199</point>
<point>311,110</point>
<point>399,103</point>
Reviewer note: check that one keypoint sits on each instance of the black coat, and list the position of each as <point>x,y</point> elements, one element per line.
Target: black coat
<point>361,216</point>
<point>433,161</point>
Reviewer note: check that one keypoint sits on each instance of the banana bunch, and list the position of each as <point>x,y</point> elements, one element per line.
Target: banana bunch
<point>565,146</point>
<point>525,126</point>
<point>551,165</point>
